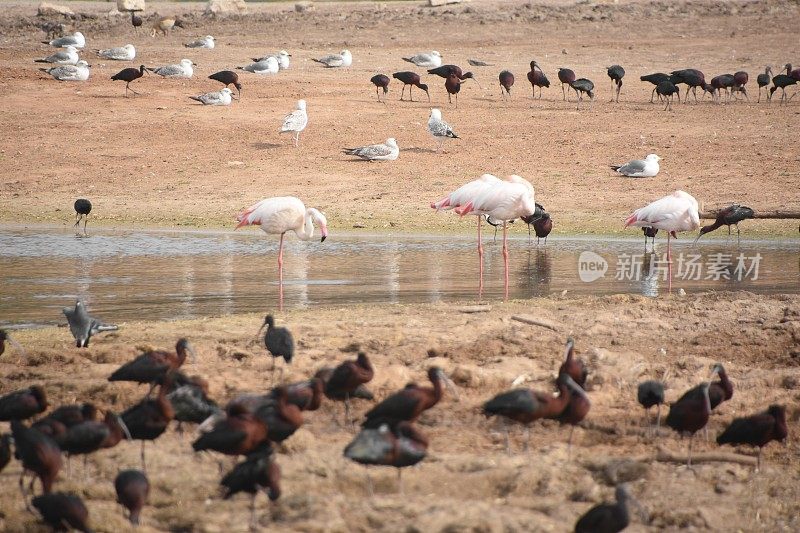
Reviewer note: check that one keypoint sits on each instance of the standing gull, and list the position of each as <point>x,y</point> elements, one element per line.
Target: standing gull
<point>76,72</point>
<point>639,168</point>
<point>342,59</point>
<point>440,129</point>
<point>265,67</point>
<point>182,70</point>
<point>204,42</point>
<point>387,151</point>
<point>296,121</point>
<point>76,39</point>
<point>222,97</point>
<point>121,53</point>
<point>430,59</point>
<point>82,325</point>
<point>68,56</point>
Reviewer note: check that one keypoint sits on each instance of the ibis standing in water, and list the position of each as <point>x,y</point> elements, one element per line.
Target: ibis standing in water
<point>506,82</point>
<point>542,226</point>
<point>381,81</point>
<point>278,341</point>
<point>729,216</point>
<point>616,73</point>
<point>82,209</point>
<point>566,77</point>
<point>346,378</point>
<point>757,430</point>
<point>411,79</point>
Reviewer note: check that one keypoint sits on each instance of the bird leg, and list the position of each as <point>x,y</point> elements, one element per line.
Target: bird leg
<point>658,417</point>
<point>505,255</point>
<point>410,94</point>
<point>569,442</point>
<point>69,467</point>
<point>369,483</point>
<point>85,220</point>
<point>758,460</point>
<point>669,264</point>
<point>280,260</point>
<point>738,238</point>
<point>297,139</point>
<point>480,259</point>
<point>505,434</point>
<point>563,93</point>
<point>253,522</point>
<point>24,492</point>
<point>272,372</point>
<point>400,481</point>
<point>144,465</point>
<point>689,460</point>
<point>527,439</point>
<point>77,220</point>
<point>402,92</point>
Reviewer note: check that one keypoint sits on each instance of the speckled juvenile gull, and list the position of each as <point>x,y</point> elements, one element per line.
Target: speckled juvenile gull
<point>266,67</point>
<point>76,39</point>
<point>440,129</point>
<point>121,53</point>
<point>222,97</point>
<point>76,72</point>
<point>182,70</point>
<point>296,121</point>
<point>342,59</point>
<point>640,168</point>
<point>387,151</point>
<point>205,42</point>
<point>67,56</point>
<point>282,57</point>
<point>432,59</point>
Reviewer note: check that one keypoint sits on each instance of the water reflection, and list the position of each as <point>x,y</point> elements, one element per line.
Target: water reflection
<point>165,275</point>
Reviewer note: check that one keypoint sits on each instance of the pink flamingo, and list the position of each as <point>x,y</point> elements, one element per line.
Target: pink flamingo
<point>281,214</point>
<point>677,212</point>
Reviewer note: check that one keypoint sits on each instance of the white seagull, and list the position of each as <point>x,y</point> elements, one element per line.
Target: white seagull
<point>67,56</point>
<point>205,42</point>
<point>76,72</point>
<point>121,53</point>
<point>640,168</point>
<point>282,57</point>
<point>76,39</point>
<point>387,151</point>
<point>265,67</point>
<point>182,70</point>
<point>342,59</point>
<point>440,129</point>
<point>296,121</point>
<point>222,97</point>
<point>432,59</point>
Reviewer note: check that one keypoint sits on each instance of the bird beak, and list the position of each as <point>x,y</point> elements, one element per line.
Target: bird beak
<point>714,372</point>
<point>124,427</point>
<point>476,81</point>
<point>324,231</point>
<point>697,239</point>
<point>450,385</point>
<point>191,351</point>
<point>16,345</point>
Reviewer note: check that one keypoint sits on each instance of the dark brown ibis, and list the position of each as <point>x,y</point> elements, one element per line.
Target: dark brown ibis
<point>650,394</point>
<point>538,214</point>
<point>5,450</point>
<point>446,70</point>
<point>506,79</point>
<point>792,73</point>
<point>346,378</point>
<point>689,415</point>
<point>413,80</point>
<point>281,417</point>
<point>409,403</point>
<point>607,517</point>
<point>719,83</point>
<point>693,79</point>
<point>757,430</point>
<point>730,216</point>
<point>279,343</point>
<point>573,366</point>
<point>537,79</point>
<point>400,447</point>
<point>136,21</point>
<point>228,77</point>
<point>148,419</point>
<point>542,227</point>
<point>649,233</point>
<point>240,432</point>
<point>668,90</point>
<point>190,400</point>
<point>781,81</point>
<point>128,75</point>
<point>5,336</point>
<point>740,79</point>
<point>583,86</point>
<point>453,86</point>
<point>525,406</point>
<point>719,391</point>
<point>132,488</point>
<point>259,472</point>
<point>762,80</point>
<point>73,414</point>
<point>616,73</point>
<point>40,456</point>
<point>655,79</point>
<point>61,509</point>
<point>566,77</point>
<point>576,410</point>
<point>306,395</point>
<point>380,81</point>
<point>23,404</point>
<point>153,365</point>
<point>361,392</point>
<point>90,436</point>
<point>82,209</point>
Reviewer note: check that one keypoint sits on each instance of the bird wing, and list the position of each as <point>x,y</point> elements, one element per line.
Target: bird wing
<point>632,168</point>
<point>370,447</point>
<point>169,70</point>
<point>295,121</point>
<point>64,72</point>
<point>514,401</point>
<point>332,60</point>
<point>192,405</point>
<point>143,369</point>
<point>393,408</point>
<point>747,430</point>
<point>277,214</point>
<point>467,192</point>
<point>596,519</point>
<point>673,212</point>
<point>440,128</point>
<point>372,151</point>
<point>280,342</point>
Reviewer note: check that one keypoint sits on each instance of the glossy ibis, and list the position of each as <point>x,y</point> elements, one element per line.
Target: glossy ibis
<point>506,79</point>
<point>537,79</point>
<point>5,450</point>
<point>346,378</point>
<point>411,79</point>
<point>342,59</point>
<point>572,366</point>
<point>278,341</point>
<point>649,233</point>
<point>576,410</point>
<point>651,393</point>
<point>409,403</point>
<point>40,456</point>
<point>23,404</point>
<point>380,81</point>
<point>729,216</point>
<point>781,81</point>
<point>616,73</point>
<point>440,129</point>
<point>190,401</point>
<point>667,89</point>
<point>762,80</point>
<point>82,209</point>
<point>607,517</point>
<point>136,21</point>
<point>740,79</point>
<point>153,365</point>
<point>431,59</point>
<point>538,214</point>
<point>542,226</point>
<point>6,336</point>
<point>240,432</point>
<point>453,86</point>
<point>306,395</point>
<point>640,168</point>
<point>525,406</point>
<point>91,436</point>
<point>82,325</point>
<point>757,430</point>
<point>719,83</point>
<point>404,446</point>
<point>148,419</point>
<point>792,73</point>
<point>73,414</point>
<point>566,77</point>
<point>60,508</point>
<point>583,86</point>
<point>228,77</point>
<point>689,415</point>
<point>385,151</point>
<point>132,488</point>
<point>655,79</point>
<point>295,122</point>
<point>693,79</point>
<point>127,75</point>
<point>281,417</point>
<point>361,392</point>
<point>718,391</point>
<point>446,70</point>
<point>258,472</point>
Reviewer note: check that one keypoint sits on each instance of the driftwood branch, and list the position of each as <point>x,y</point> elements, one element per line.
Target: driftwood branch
<point>535,322</point>
<point>475,309</point>
<point>711,214</point>
<point>667,456</point>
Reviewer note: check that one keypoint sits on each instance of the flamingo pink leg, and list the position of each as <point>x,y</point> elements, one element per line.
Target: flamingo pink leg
<point>280,274</point>
<point>505,255</point>
<point>480,259</point>
<point>669,264</point>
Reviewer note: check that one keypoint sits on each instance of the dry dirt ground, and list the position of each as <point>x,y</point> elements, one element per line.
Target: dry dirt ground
<point>162,160</point>
<point>467,483</point>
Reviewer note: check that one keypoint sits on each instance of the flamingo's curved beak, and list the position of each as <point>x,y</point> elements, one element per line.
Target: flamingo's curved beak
<point>324,230</point>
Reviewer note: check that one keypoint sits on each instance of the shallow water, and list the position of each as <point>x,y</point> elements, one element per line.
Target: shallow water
<point>149,275</point>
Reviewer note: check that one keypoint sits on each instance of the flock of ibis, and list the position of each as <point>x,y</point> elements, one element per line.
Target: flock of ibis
<point>253,425</point>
